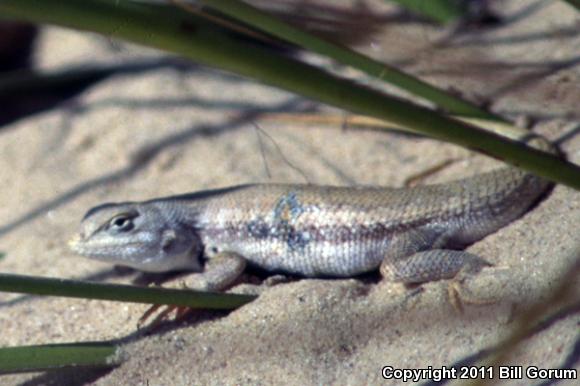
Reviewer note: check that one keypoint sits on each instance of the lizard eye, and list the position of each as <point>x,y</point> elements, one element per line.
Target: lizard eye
<point>122,223</point>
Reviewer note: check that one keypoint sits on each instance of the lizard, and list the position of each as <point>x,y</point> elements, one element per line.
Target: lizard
<point>411,235</point>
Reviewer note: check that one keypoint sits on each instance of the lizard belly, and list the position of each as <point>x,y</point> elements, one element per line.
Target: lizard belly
<point>325,258</point>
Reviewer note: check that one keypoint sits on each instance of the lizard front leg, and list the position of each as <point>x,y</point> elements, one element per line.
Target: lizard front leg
<point>220,272</point>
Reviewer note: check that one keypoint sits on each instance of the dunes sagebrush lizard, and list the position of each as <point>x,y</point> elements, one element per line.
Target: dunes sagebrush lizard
<point>413,234</point>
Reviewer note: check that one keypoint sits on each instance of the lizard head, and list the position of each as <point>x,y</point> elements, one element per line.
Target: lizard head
<point>144,236</point>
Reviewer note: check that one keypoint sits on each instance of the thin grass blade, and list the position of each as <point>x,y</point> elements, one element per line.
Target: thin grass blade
<point>262,21</point>
<point>119,292</point>
<point>58,356</point>
<point>200,40</point>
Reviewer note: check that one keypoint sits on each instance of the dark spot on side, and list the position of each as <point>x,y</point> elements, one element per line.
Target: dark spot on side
<point>258,229</point>
<point>280,230</point>
<point>297,240</point>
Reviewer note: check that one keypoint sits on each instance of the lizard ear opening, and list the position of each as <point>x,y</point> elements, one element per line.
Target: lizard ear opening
<point>180,249</point>
<point>173,243</point>
<point>167,240</point>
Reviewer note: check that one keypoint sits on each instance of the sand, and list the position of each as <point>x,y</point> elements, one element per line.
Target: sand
<point>171,130</point>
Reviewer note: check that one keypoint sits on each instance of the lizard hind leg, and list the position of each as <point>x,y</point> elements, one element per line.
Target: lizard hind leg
<point>432,265</point>
<point>411,261</point>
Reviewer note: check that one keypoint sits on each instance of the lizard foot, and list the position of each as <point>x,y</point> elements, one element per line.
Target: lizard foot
<point>275,280</point>
<point>459,295</point>
<point>181,312</point>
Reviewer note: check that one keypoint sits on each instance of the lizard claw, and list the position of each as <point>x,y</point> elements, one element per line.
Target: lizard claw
<point>143,319</point>
<point>180,314</point>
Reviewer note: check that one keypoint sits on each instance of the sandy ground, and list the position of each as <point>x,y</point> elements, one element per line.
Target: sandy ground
<point>167,131</point>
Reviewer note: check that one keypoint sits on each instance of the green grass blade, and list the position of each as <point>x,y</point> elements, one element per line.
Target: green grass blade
<point>119,292</point>
<point>441,11</point>
<point>262,21</point>
<point>200,40</point>
<point>58,356</point>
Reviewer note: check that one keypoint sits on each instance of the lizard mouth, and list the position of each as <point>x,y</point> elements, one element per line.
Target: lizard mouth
<point>105,251</point>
